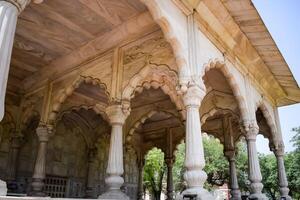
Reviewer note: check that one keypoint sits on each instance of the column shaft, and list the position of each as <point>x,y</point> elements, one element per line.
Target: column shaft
<point>253,164</point>
<point>194,158</point>
<point>170,187</point>
<point>90,175</point>
<point>8,22</point>
<point>282,179</point>
<point>39,173</point>
<point>13,159</point>
<point>194,154</point>
<point>140,182</point>
<point>115,160</point>
<point>234,186</point>
<point>115,168</point>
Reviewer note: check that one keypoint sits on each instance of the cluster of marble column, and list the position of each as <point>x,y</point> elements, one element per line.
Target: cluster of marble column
<point>194,160</point>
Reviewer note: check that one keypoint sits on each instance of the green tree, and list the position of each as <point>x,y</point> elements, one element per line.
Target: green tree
<point>242,166</point>
<point>216,165</point>
<point>292,164</point>
<point>154,170</point>
<point>178,168</point>
<point>268,169</point>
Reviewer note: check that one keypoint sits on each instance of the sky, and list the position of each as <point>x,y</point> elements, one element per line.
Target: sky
<point>282,18</point>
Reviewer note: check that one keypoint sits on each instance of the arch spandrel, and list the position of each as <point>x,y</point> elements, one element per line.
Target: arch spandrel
<point>269,117</point>
<point>62,95</point>
<point>135,127</point>
<point>237,86</point>
<point>154,76</point>
<point>167,15</point>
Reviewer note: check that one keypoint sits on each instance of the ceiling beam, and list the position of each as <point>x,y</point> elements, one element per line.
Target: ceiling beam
<point>132,29</point>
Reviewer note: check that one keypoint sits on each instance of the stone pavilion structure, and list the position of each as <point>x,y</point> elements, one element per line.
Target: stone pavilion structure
<point>87,87</point>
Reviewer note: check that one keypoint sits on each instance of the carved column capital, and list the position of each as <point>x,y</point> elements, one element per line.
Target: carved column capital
<point>92,153</point>
<point>43,132</point>
<point>193,94</point>
<point>16,141</point>
<point>278,149</point>
<point>169,161</point>
<point>230,154</point>
<point>117,114</point>
<point>251,130</point>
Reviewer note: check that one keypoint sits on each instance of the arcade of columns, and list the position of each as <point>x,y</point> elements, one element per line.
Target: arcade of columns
<point>153,89</point>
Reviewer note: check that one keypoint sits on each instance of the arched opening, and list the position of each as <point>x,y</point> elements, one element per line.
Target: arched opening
<point>77,155</point>
<point>222,114</point>
<point>7,126</point>
<point>264,128</point>
<point>154,174</point>
<point>27,156</point>
<point>83,91</point>
<point>220,111</point>
<point>155,122</point>
<point>267,141</point>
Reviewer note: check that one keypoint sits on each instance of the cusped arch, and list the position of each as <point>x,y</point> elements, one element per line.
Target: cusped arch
<point>163,14</point>
<point>222,67</point>
<point>269,119</point>
<point>69,90</point>
<point>141,121</point>
<point>98,109</point>
<point>156,76</point>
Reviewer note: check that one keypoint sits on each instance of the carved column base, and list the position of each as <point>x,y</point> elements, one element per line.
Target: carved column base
<point>284,193</point>
<point>235,194</point>
<point>201,193</point>
<point>287,197</point>
<point>114,195</point>
<point>3,188</point>
<point>256,196</point>
<point>37,188</point>
<point>89,192</point>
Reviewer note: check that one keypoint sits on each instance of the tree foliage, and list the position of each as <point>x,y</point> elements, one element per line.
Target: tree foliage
<point>178,168</point>
<point>242,166</point>
<point>268,167</point>
<point>292,165</point>
<point>217,168</point>
<point>154,170</point>
<point>216,165</point>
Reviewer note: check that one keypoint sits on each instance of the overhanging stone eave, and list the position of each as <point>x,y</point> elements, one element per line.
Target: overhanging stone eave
<point>282,77</point>
<point>274,60</point>
<point>290,99</point>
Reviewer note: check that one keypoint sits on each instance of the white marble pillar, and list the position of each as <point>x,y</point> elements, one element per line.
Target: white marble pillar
<point>115,168</point>
<point>9,11</point>
<point>13,158</point>
<point>170,186</point>
<point>253,163</point>
<point>282,179</point>
<point>39,173</point>
<point>194,154</point>
<point>234,187</point>
<point>140,180</point>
